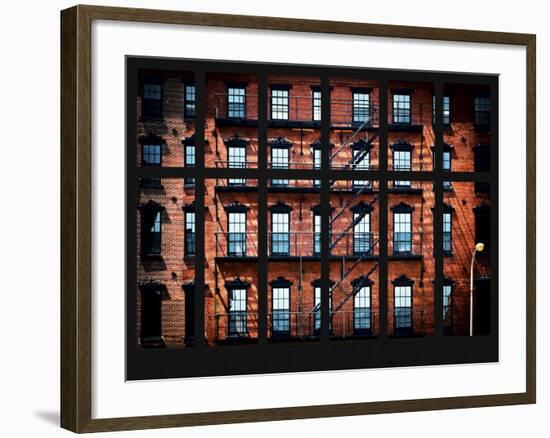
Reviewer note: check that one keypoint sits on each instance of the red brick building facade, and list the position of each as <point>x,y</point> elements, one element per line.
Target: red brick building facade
<point>166,224</point>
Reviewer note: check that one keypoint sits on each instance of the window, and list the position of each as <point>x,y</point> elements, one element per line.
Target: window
<point>236,160</point>
<point>402,162</point>
<point>361,106</point>
<point>151,154</point>
<point>482,112</point>
<point>279,104</point>
<point>189,101</point>
<point>362,306</point>
<point>402,108</point>
<point>189,158</point>
<point>316,162</point>
<point>446,110</point>
<point>151,105</point>
<point>483,226</point>
<point>402,233</point>
<point>361,161</point>
<point>236,237</point>
<point>447,232</point>
<point>151,229</point>
<point>447,304</point>
<point>189,235</point>
<point>316,212</point>
<point>402,306</point>
<point>237,324</point>
<point>155,235</point>
<point>316,104</point>
<point>482,163</point>
<point>316,233</point>
<point>362,238</point>
<point>280,233</point>
<point>279,158</point>
<point>236,102</point>
<point>317,303</point>
<point>280,304</point>
<point>447,167</point>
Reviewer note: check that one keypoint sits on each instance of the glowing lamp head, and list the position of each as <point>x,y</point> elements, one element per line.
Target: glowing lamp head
<point>480,247</point>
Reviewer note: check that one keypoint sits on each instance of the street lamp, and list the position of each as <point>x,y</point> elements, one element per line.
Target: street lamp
<point>479,248</point>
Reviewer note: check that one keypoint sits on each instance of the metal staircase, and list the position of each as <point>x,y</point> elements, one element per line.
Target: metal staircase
<point>344,276</point>
<point>355,160</point>
<point>354,222</point>
<point>355,289</point>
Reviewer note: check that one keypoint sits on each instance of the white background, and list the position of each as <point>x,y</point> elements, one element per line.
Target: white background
<point>112,397</point>
<point>30,219</point>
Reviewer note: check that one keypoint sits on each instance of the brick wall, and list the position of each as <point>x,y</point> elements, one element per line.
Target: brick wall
<point>173,269</point>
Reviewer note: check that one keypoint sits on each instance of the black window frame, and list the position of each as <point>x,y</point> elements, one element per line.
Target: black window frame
<point>280,144</point>
<point>151,241</point>
<point>237,240</point>
<point>448,284</point>
<point>317,287</point>
<point>402,146</point>
<point>362,241</point>
<point>358,106</point>
<point>240,114</point>
<point>283,318</point>
<point>446,111</point>
<point>482,112</point>
<point>280,238</point>
<point>407,209</point>
<point>189,100</point>
<point>189,144</point>
<point>448,213</point>
<point>283,108</point>
<point>357,148</point>
<point>157,142</point>
<point>237,320</point>
<point>362,320</point>
<point>402,115</point>
<point>241,144</point>
<point>316,103</point>
<point>189,249</point>
<point>152,108</point>
<point>401,328</point>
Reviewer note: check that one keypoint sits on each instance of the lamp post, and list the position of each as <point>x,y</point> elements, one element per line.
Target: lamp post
<point>478,248</point>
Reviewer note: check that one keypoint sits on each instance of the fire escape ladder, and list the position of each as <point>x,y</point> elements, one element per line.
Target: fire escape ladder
<point>350,201</point>
<point>355,289</point>
<point>357,131</point>
<point>357,158</point>
<point>348,272</point>
<point>344,232</point>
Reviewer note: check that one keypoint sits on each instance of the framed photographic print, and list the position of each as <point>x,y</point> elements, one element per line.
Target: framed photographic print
<point>261,218</point>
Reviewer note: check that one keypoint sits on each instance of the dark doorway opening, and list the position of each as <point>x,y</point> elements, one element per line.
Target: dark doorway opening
<point>151,316</point>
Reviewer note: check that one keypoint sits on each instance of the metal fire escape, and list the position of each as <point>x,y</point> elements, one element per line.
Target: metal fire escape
<point>355,160</point>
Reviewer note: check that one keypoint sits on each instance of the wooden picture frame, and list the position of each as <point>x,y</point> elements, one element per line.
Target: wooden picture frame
<point>76,218</point>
